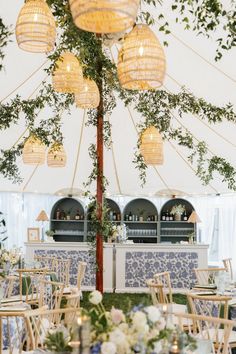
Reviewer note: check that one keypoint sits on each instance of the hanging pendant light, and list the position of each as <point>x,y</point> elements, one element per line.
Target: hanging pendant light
<point>151,147</point>
<point>141,62</point>
<point>67,75</point>
<point>88,95</point>
<point>56,156</point>
<point>36,27</point>
<point>33,151</point>
<point>104,16</point>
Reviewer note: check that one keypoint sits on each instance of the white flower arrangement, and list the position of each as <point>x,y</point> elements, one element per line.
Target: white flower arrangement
<point>119,233</point>
<point>141,330</point>
<point>177,209</point>
<point>9,256</point>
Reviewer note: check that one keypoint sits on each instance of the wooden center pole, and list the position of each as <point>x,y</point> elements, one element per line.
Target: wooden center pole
<point>99,196</point>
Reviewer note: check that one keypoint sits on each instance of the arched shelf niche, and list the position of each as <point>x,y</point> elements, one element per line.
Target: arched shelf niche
<point>175,227</point>
<point>141,217</point>
<point>67,220</point>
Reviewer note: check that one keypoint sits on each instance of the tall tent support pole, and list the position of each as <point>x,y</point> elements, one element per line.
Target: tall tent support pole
<point>99,195</point>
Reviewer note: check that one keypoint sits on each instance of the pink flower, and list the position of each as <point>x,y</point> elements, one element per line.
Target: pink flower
<point>117,316</point>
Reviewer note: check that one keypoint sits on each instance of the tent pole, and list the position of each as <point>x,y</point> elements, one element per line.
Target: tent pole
<point>99,195</point>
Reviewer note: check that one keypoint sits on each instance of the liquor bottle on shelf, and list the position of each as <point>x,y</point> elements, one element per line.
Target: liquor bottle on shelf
<point>114,217</point>
<point>163,218</point>
<point>130,216</point>
<point>171,217</point>
<point>77,216</point>
<point>111,215</point>
<point>118,217</point>
<point>63,215</point>
<point>185,218</point>
<point>167,216</point>
<point>58,214</point>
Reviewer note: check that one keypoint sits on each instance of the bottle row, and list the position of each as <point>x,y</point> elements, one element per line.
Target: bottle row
<point>174,217</point>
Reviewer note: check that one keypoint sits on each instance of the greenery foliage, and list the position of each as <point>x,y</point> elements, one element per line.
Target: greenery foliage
<point>5,33</point>
<point>156,107</point>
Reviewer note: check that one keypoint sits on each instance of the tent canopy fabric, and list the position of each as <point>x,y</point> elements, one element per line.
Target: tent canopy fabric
<point>190,63</point>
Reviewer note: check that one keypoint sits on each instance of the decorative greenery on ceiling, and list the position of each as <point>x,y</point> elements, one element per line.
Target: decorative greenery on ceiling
<point>156,107</point>
<point>5,33</point>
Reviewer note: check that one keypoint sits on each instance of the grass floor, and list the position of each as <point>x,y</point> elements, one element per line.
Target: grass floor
<point>126,301</point>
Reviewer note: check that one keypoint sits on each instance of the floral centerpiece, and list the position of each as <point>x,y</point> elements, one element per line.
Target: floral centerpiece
<point>119,233</point>
<point>57,340</point>
<point>142,330</point>
<point>8,259</point>
<point>177,211</point>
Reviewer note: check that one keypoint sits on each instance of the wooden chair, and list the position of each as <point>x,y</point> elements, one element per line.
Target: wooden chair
<point>156,292</point>
<point>60,267</point>
<point>14,333</point>
<point>7,285</point>
<point>29,280</point>
<point>80,275</point>
<point>39,321</point>
<point>216,331</point>
<point>207,276</point>
<point>227,262</point>
<point>163,279</point>
<point>50,294</point>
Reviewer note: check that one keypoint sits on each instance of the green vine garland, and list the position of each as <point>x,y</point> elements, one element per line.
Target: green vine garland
<point>5,33</point>
<point>155,106</point>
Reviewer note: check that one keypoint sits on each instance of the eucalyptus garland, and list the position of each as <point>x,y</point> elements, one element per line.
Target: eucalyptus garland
<point>5,33</point>
<point>156,107</point>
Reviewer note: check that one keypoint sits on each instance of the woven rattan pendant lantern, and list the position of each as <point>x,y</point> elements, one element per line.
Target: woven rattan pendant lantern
<point>141,62</point>
<point>88,95</point>
<point>67,76</point>
<point>56,156</point>
<point>35,27</point>
<point>104,16</point>
<point>151,147</point>
<point>33,151</point>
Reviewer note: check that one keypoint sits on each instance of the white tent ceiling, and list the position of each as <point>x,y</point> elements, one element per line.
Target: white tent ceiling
<point>184,67</point>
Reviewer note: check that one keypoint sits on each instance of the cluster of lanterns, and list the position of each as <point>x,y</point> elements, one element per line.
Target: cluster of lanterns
<point>141,60</point>
<point>34,153</point>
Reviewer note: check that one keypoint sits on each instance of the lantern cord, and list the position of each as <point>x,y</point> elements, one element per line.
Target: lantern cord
<point>202,121</point>
<point>22,134</point>
<point>30,178</point>
<point>204,59</point>
<point>188,164</point>
<point>78,151</point>
<point>114,164</point>
<point>23,82</point>
<point>154,167</point>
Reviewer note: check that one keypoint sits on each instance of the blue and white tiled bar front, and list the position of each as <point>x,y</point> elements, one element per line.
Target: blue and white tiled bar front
<point>128,266</point>
<point>138,262</point>
<point>76,251</point>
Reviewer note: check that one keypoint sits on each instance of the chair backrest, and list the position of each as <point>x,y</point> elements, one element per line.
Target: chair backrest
<point>81,272</point>
<point>156,292</point>
<point>39,322</point>
<point>207,276</point>
<point>227,262</point>
<point>212,305</point>
<point>14,334</point>
<point>210,331</point>
<point>51,293</point>
<point>7,285</point>
<point>59,266</point>
<point>164,280</point>
<point>29,280</point>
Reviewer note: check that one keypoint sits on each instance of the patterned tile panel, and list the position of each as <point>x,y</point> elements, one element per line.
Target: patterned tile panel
<point>140,266</point>
<point>75,256</point>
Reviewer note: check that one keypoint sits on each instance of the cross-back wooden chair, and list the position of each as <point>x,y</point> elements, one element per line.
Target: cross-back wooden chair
<point>209,305</point>
<point>14,333</point>
<point>50,294</point>
<point>156,292</point>
<point>7,284</point>
<point>215,333</point>
<point>80,275</point>
<point>29,280</point>
<point>163,279</point>
<point>59,266</point>
<point>227,262</point>
<point>39,321</point>
<point>207,276</point>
